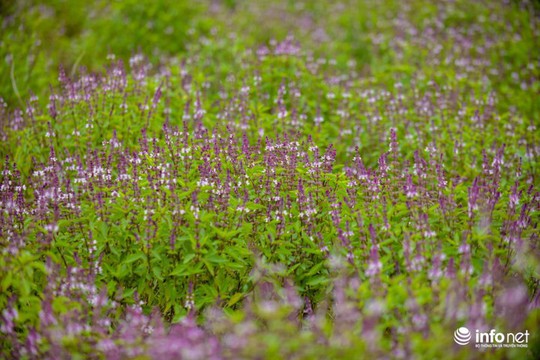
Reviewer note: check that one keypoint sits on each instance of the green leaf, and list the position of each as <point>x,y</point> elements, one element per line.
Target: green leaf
<point>315,269</point>
<point>235,298</point>
<point>157,273</point>
<point>216,259</point>
<point>134,257</point>
<point>209,266</point>
<point>188,258</point>
<point>6,281</point>
<point>187,270</point>
<point>128,293</point>
<point>318,280</point>
<point>226,234</point>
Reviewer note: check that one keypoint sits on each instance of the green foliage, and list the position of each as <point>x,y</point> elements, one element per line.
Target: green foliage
<point>149,111</point>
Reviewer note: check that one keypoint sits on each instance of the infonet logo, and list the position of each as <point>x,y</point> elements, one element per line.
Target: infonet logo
<point>492,339</point>
<point>462,336</point>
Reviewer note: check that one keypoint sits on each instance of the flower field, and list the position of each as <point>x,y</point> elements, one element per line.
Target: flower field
<point>269,179</point>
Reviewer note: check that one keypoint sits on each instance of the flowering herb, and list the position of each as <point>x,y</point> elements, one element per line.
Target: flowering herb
<point>292,204</point>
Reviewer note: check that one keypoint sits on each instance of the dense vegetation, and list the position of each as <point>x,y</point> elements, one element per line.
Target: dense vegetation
<point>229,179</point>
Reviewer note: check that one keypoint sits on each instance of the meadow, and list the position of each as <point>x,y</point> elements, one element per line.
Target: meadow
<point>268,179</point>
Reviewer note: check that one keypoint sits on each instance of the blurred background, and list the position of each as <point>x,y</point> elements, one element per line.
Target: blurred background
<point>374,37</point>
